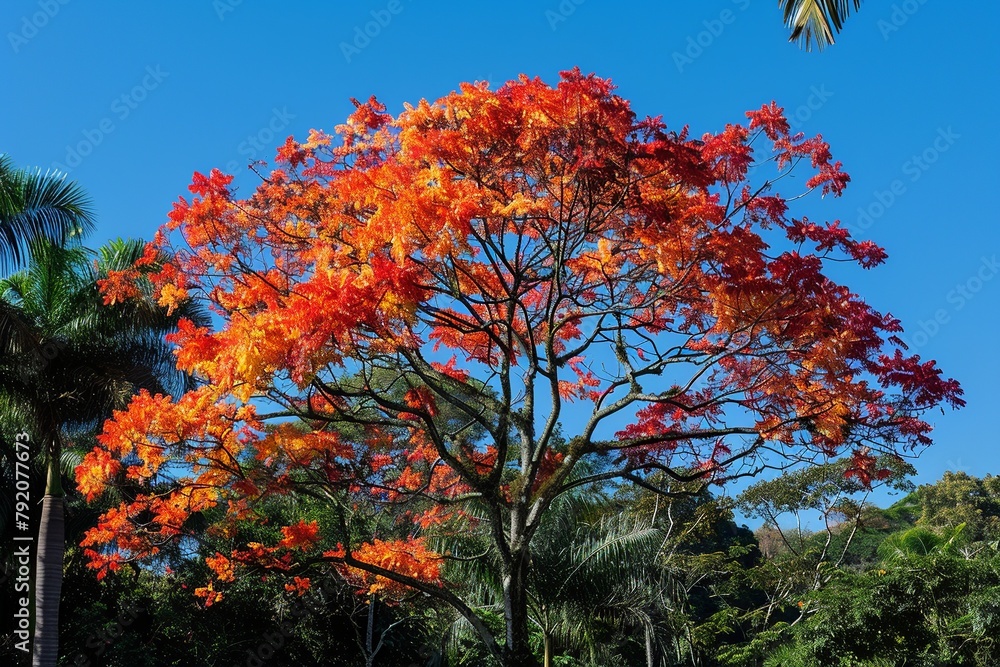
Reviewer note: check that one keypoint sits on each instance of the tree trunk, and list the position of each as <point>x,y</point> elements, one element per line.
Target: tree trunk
<point>369,653</point>
<point>49,570</point>
<point>649,647</point>
<point>48,582</point>
<point>517,653</point>
<point>548,650</point>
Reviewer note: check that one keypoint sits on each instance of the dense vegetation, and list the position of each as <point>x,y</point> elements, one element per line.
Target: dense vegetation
<point>623,579</point>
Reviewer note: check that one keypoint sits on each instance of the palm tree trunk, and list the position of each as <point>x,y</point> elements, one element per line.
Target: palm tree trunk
<point>49,568</point>
<point>548,650</point>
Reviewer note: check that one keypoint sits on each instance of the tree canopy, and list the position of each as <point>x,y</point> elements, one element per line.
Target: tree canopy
<point>510,258</point>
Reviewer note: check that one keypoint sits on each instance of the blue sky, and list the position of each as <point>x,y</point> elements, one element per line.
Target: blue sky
<point>132,98</point>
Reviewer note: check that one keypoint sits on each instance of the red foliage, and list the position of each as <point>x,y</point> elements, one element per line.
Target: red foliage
<point>550,246</point>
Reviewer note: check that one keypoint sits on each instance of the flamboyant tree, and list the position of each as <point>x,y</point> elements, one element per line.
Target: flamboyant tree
<point>410,307</point>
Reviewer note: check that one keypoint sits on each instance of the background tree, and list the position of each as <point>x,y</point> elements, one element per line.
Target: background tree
<point>829,493</point>
<point>959,498</point>
<point>923,604</point>
<point>538,241</point>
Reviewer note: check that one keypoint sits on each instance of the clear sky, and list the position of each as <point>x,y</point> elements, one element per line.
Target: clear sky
<point>132,97</point>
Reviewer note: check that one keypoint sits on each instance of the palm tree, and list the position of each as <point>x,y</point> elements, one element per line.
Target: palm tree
<point>93,359</point>
<point>597,581</point>
<point>597,566</point>
<point>816,20</point>
<point>35,207</point>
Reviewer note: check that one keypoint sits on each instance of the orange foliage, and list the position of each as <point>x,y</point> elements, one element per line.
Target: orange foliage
<point>545,242</point>
<point>221,566</point>
<point>409,557</point>
<point>298,585</point>
<point>301,535</point>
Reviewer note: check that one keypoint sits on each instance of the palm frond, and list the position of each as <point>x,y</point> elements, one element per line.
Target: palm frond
<point>816,20</point>
<point>921,541</point>
<point>18,336</point>
<point>35,206</point>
